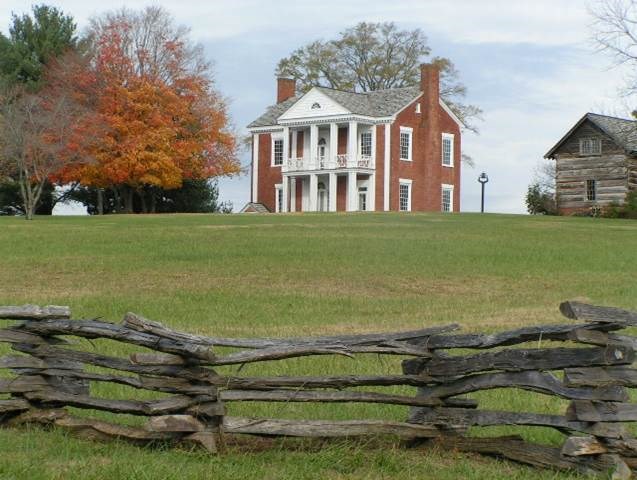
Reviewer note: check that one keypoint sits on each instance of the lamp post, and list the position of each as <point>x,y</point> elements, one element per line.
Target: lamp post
<point>483,179</point>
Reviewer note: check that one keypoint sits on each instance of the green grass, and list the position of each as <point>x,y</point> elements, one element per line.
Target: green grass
<point>245,275</point>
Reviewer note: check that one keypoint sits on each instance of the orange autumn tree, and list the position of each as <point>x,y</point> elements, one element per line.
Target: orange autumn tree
<point>166,121</point>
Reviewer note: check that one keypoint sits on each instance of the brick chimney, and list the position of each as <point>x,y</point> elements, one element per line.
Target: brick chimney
<point>431,140</point>
<point>285,88</point>
<point>430,86</point>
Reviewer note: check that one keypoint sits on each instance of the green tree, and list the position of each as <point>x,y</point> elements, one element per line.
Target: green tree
<point>375,56</point>
<point>32,42</point>
<point>195,196</point>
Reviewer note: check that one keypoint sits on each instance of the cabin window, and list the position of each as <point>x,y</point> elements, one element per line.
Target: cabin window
<point>277,151</point>
<point>366,144</point>
<point>591,190</point>
<point>447,198</point>
<point>590,146</point>
<point>447,149</point>
<point>404,195</point>
<point>405,143</point>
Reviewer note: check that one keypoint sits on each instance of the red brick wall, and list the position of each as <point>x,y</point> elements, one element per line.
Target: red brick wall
<point>299,195</point>
<point>268,176</point>
<point>425,170</point>
<point>341,193</point>
<point>299,145</point>
<point>342,141</point>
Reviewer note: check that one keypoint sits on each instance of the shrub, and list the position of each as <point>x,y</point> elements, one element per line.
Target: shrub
<point>540,201</point>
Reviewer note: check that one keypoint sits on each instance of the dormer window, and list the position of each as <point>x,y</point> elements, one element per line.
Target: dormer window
<point>316,106</point>
<point>590,146</point>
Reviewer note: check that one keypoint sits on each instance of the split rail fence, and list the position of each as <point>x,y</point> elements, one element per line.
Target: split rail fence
<point>591,368</point>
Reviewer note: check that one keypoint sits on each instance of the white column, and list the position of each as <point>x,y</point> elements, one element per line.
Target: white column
<point>285,193</point>
<point>386,170</point>
<point>352,143</point>
<point>313,160</point>
<point>333,144</point>
<point>286,146</point>
<point>352,192</point>
<point>313,192</point>
<point>371,195</point>
<point>332,192</point>
<point>255,166</point>
<point>293,194</point>
<point>295,137</point>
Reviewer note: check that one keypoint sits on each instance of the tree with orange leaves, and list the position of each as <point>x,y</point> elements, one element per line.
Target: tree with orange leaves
<point>166,121</point>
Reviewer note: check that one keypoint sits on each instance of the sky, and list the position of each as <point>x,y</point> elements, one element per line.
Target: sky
<point>530,66</point>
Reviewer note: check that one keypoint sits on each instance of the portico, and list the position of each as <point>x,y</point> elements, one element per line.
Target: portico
<point>321,158</point>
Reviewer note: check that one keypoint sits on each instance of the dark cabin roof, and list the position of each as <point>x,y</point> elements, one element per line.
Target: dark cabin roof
<point>622,131</point>
<point>379,103</point>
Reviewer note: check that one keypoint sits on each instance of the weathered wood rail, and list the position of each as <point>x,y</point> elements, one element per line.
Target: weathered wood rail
<point>591,367</point>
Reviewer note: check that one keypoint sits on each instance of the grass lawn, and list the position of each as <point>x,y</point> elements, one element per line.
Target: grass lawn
<point>242,275</point>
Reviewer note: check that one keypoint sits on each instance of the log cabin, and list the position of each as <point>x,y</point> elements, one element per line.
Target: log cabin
<point>595,164</point>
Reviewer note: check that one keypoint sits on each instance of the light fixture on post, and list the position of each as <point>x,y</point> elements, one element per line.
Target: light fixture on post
<point>483,179</point>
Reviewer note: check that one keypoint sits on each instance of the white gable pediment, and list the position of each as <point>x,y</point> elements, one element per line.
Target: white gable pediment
<point>314,104</point>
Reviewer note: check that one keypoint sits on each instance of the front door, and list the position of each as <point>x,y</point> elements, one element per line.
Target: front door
<point>362,199</point>
<point>322,200</point>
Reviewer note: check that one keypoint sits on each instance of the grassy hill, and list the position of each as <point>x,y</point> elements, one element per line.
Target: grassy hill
<point>245,275</point>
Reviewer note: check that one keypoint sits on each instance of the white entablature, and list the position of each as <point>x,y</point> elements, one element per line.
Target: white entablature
<point>314,104</point>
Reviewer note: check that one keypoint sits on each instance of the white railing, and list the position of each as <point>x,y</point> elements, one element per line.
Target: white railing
<point>328,163</point>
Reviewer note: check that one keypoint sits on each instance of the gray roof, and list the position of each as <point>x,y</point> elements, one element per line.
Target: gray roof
<point>380,103</point>
<point>272,113</point>
<point>622,131</point>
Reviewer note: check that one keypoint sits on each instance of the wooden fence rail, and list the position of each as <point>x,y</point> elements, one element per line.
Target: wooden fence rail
<point>592,368</point>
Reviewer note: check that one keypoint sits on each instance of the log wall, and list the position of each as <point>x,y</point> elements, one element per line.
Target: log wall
<point>590,366</point>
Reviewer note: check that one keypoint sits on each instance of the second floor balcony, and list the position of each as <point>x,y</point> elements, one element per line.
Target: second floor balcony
<point>338,162</point>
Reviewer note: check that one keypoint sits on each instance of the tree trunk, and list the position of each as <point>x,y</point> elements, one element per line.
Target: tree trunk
<point>100,201</point>
<point>142,198</point>
<point>128,199</point>
<point>153,202</point>
<point>118,200</point>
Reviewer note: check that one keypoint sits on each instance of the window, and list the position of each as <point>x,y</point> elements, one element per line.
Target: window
<point>322,146</point>
<point>447,149</point>
<point>277,151</point>
<point>405,143</point>
<point>591,190</point>
<point>418,108</point>
<point>590,146</point>
<point>278,198</point>
<point>447,198</point>
<point>366,144</point>
<point>316,106</point>
<point>404,195</point>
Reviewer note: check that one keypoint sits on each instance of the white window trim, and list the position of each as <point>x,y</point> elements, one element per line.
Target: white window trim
<point>410,132</point>
<point>274,139</point>
<point>408,182</point>
<point>446,186</point>
<point>278,190</point>
<point>449,136</point>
